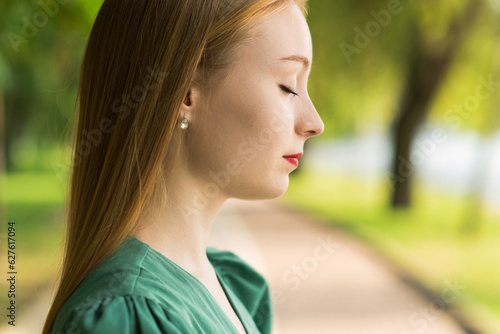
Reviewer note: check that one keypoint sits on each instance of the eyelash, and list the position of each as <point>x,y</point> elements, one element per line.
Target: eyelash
<point>288,90</point>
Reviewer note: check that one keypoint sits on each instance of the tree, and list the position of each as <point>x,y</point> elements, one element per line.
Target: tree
<point>41,48</point>
<point>427,66</point>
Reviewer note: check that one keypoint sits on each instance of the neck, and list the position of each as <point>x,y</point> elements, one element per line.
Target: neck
<point>181,229</point>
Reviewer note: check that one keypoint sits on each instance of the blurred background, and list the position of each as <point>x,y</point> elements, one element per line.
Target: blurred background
<point>409,162</point>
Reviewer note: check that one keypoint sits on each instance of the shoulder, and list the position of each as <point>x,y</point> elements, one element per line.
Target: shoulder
<point>118,314</point>
<point>120,295</point>
<point>122,273</point>
<point>235,269</point>
<point>247,283</point>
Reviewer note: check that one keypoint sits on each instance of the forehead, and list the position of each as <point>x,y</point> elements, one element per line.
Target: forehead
<point>281,35</point>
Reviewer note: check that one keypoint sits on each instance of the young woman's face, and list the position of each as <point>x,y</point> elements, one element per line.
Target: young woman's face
<point>240,134</point>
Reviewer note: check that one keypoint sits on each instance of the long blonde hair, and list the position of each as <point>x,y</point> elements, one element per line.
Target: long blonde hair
<point>140,60</point>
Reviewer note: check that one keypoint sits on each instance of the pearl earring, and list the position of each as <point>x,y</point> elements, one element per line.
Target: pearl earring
<point>184,123</point>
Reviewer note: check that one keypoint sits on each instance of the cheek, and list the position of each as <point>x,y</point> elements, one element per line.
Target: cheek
<point>243,137</point>
<point>240,116</point>
<point>214,140</point>
<point>249,131</point>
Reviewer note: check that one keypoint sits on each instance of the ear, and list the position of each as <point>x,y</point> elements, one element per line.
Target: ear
<point>191,102</point>
<point>187,101</point>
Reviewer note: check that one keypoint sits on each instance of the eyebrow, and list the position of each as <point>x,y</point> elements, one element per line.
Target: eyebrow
<point>301,59</point>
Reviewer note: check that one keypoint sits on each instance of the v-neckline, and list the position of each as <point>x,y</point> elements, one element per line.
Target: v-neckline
<point>227,292</point>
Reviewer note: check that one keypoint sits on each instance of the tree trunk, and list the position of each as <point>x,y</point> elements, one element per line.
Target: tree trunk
<point>427,68</point>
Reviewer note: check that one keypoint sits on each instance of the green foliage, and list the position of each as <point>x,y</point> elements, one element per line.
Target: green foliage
<point>40,80</point>
<point>476,58</point>
<point>42,45</point>
<point>364,90</point>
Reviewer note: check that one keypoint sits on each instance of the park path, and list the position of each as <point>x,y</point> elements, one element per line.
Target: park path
<point>322,281</point>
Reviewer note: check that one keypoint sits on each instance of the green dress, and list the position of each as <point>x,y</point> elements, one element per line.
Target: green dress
<point>138,290</point>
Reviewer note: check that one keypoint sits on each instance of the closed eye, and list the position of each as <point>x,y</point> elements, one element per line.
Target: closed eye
<point>288,90</point>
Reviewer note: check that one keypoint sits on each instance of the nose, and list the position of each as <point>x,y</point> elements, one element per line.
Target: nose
<point>308,122</point>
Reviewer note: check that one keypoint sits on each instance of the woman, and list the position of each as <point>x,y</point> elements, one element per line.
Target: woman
<point>182,105</point>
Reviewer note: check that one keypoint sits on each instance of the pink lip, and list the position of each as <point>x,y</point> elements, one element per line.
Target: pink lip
<point>293,159</point>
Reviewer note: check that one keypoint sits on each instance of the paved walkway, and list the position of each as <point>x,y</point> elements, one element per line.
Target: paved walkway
<point>322,281</point>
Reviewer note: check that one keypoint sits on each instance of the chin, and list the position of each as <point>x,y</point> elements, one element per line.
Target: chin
<point>278,191</point>
<point>272,189</point>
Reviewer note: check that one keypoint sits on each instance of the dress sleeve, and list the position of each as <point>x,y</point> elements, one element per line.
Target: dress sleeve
<point>119,314</point>
<point>249,285</point>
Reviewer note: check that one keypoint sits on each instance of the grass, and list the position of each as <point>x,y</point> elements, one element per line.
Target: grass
<point>442,238</point>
